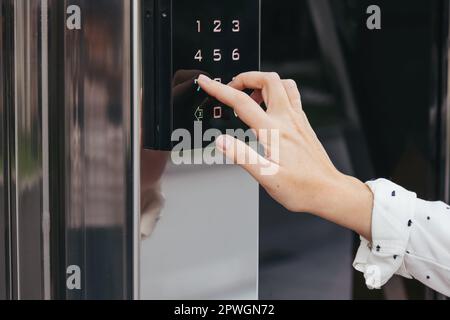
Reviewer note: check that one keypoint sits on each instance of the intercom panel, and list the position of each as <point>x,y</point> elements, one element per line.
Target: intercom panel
<point>181,40</point>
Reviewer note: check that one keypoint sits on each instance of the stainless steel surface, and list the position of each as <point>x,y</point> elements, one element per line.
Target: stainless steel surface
<point>205,245</point>
<point>136,132</point>
<point>5,80</point>
<point>45,151</point>
<point>100,151</point>
<point>26,156</point>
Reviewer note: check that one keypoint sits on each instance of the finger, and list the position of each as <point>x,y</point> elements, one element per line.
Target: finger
<point>243,155</point>
<point>272,89</point>
<point>293,94</point>
<point>244,106</point>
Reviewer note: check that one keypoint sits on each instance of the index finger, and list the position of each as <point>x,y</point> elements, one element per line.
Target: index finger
<point>244,106</point>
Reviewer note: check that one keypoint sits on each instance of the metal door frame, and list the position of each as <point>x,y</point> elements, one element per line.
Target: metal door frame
<point>42,119</point>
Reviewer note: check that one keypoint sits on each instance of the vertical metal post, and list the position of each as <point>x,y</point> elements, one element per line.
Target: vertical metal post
<point>6,32</point>
<point>136,144</point>
<point>98,154</point>
<point>28,238</point>
<point>69,149</point>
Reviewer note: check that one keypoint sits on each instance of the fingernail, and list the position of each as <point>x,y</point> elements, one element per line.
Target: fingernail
<point>223,143</point>
<point>203,78</point>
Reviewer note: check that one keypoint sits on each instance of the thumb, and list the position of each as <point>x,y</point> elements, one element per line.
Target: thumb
<point>246,157</point>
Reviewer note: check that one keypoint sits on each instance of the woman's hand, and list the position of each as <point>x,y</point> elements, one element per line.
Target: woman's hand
<point>305,179</point>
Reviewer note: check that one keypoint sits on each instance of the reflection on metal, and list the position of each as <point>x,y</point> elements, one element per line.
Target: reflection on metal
<point>136,132</point>
<point>205,245</point>
<point>45,150</point>
<point>70,152</point>
<point>332,53</point>
<point>26,156</point>
<point>323,19</point>
<point>6,32</point>
<point>99,151</point>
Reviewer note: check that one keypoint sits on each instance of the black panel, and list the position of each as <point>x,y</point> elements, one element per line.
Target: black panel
<point>57,167</point>
<point>181,40</point>
<point>148,71</point>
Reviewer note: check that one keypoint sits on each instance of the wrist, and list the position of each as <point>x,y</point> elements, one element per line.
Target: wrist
<point>348,202</point>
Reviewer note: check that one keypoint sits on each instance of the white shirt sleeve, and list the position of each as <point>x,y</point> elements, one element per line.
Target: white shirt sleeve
<point>410,237</point>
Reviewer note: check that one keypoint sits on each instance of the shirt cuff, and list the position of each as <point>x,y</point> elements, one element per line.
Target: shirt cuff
<point>392,217</point>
